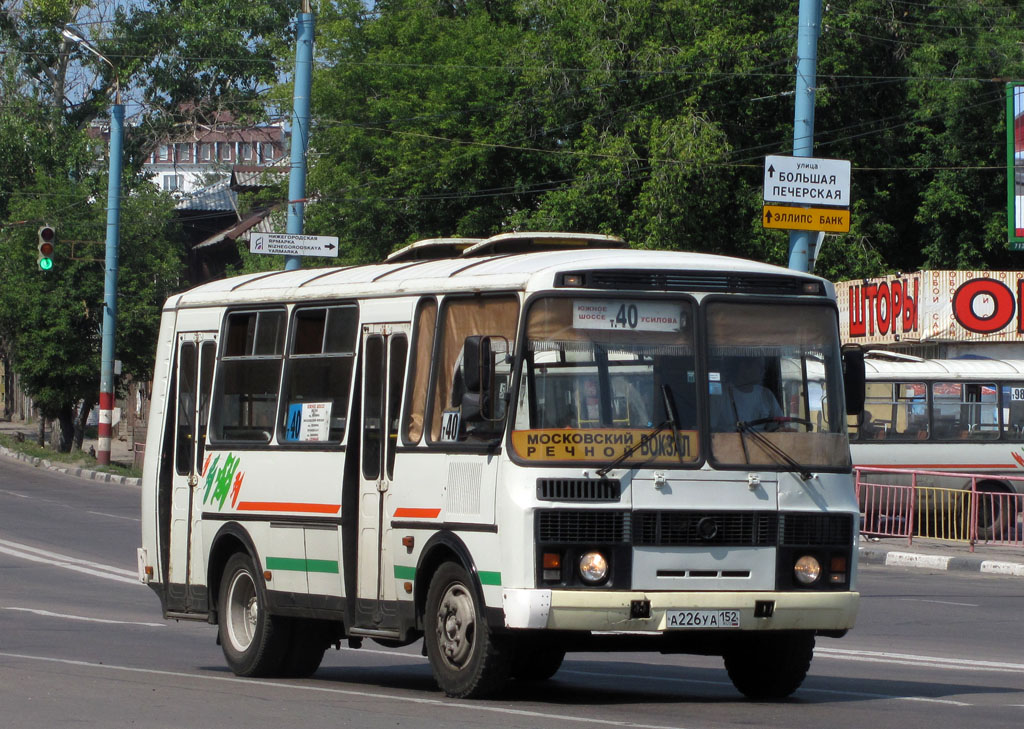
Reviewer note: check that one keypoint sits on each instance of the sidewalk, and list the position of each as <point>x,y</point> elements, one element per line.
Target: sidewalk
<point>121,453</point>
<point>934,554</point>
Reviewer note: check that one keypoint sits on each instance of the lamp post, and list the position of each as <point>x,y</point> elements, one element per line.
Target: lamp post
<point>110,266</point>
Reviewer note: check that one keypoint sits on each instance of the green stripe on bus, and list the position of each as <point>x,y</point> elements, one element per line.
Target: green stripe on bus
<point>409,573</point>
<point>404,573</point>
<point>490,578</point>
<point>292,564</point>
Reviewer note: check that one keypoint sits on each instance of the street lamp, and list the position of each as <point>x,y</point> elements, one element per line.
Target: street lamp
<point>113,236</point>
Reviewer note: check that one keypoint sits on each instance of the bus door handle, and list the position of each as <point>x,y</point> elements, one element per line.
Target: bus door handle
<point>193,480</point>
<point>383,485</point>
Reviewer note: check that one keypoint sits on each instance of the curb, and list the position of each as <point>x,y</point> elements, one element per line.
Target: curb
<point>941,562</point>
<point>71,470</point>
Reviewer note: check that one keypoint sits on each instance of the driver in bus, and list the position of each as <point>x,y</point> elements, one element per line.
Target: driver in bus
<point>745,399</point>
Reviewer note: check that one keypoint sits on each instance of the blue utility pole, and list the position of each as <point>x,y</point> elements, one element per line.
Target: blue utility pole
<point>300,127</point>
<point>106,414</point>
<point>800,241</point>
<point>110,284</point>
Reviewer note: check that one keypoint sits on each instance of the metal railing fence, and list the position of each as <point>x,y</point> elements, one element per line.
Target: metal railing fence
<point>908,503</point>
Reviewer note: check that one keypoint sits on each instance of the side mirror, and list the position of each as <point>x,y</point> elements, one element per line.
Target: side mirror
<point>477,363</point>
<point>853,378</point>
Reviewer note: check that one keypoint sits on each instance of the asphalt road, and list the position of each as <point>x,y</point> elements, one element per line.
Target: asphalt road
<point>82,644</point>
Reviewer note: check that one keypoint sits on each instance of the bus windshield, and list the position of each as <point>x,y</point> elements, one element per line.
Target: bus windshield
<point>775,370</point>
<point>592,379</point>
<point>596,373</point>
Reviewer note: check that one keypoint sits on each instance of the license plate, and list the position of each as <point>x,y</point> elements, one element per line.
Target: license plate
<point>702,619</point>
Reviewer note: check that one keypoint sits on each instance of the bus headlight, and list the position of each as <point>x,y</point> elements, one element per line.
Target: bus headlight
<point>807,570</point>
<point>593,568</point>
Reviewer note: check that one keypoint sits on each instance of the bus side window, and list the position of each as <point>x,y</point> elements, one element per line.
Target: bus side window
<point>318,374</point>
<point>1013,410</point>
<point>245,396</point>
<point>462,317</point>
<point>419,371</point>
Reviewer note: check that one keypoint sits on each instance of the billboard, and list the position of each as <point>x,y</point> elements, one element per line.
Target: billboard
<point>933,306</point>
<point>1015,164</point>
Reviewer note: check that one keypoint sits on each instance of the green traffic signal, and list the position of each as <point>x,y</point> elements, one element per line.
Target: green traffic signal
<point>47,235</point>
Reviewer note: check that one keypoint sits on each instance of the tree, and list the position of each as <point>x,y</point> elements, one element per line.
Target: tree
<point>174,60</point>
<point>652,119</point>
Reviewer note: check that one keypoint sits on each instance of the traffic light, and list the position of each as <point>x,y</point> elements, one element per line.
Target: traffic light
<point>47,236</point>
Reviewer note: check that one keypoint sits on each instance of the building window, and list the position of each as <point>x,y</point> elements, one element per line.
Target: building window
<point>224,152</point>
<point>183,152</point>
<point>205,151</point>
<point>164,154</point>
<point>172,183</point>
<point>247,151</point>
<point>268,152</point>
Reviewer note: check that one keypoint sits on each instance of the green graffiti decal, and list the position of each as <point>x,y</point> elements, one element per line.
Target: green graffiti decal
<point>220,478</point>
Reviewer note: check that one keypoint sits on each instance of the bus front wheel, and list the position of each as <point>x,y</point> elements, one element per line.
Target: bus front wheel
<point>467,659</point>
<point>253,641</point>
<point>769,666</point>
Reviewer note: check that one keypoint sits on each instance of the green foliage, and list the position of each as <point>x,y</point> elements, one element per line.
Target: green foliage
<point>651,120</point>
<point>51,320</point>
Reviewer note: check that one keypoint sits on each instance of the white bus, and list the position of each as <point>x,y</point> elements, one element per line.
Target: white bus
<point>951,415</point>
<point>512,450</point>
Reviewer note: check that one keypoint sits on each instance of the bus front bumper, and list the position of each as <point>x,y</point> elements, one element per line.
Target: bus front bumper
<point>671,611</point>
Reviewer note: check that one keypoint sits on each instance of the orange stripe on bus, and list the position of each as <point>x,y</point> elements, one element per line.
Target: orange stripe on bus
<point>286,506</point>
<point>409,513</point>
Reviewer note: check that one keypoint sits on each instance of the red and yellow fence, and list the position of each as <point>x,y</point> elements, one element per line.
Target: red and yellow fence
<point>899,502</point>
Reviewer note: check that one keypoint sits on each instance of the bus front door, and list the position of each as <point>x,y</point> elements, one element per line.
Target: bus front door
<point>183,556</point>
<point>385,350</point>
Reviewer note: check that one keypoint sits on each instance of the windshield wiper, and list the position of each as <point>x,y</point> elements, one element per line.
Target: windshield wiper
<point>744,430</point>
<point>671,420</point>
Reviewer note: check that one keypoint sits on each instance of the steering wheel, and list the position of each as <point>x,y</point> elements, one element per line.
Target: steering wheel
<point>779,422</point>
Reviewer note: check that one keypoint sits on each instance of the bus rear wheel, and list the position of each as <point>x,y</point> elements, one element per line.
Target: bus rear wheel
<point>994,513</point>
<point>467,659</point>
<point>254,642</point>
<point>769,666</point>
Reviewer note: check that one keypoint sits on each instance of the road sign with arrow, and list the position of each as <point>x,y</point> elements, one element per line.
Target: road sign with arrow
<point>292,244</point>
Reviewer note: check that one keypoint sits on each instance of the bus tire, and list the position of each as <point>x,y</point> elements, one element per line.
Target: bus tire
<point>533,663</point>
<point>468,661</point>
<point>994,519</point>
<point>253,641</point>
<point>308,643</point>
<point>769,666</point>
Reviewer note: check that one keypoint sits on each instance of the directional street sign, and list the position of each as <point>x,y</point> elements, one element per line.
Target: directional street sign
<point>807,181</point>
<point>827,220</point>
<point>292,244</point>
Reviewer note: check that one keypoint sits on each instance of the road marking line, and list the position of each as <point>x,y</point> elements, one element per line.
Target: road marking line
<point>939,602</point>
<point>371,695</point>
<point>113,516</point>
<point>802,689</point>
<point>909,659</point>
<point>48,614</point>
<point>703,682</point>
<point>54,559</point>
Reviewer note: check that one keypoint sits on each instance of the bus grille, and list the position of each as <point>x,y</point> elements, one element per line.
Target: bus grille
<point>684,528</point>
<point>693,528</point>
<point>578,489</point>
<point>816,529</point>
<point>684,281</point>
<point>582,527</point>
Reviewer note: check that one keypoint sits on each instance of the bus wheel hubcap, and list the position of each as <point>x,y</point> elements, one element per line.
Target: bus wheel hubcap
<point>455,625</point>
